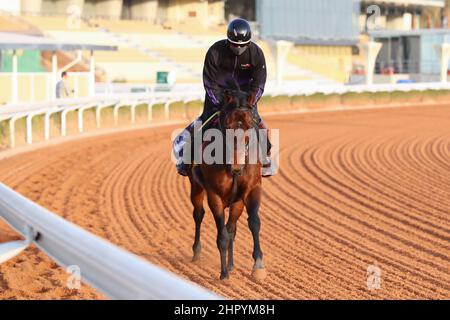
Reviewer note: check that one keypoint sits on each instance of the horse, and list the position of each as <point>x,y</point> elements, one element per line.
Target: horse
<point>229,185</point>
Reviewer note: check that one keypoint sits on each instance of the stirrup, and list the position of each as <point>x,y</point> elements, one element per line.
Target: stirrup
<point>267,169</point>
<point>267,172</point>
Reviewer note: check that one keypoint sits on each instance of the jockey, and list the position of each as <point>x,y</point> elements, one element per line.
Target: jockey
<point>238,58</point>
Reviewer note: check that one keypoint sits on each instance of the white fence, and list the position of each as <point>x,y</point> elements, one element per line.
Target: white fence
<point>111,270</point>
<point>39,86</point>
<point>13,112</point>
<point>288,87</point>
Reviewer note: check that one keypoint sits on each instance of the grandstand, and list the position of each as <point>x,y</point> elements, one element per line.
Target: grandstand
<point>173,35</point>
<point>149,42</point>
<point>145,48</point>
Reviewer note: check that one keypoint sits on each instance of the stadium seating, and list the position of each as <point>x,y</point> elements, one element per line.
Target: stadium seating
<point>55,23</point>
<point>128,26</point>
<point>10,23</point>
<point>145,48</point>
<point>332,62</point>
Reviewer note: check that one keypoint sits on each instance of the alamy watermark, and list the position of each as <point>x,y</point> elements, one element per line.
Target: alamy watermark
<point>73,21</point>
<point>231,146</point>
<point>373,277</point>
<point>74,279</point>
<point>373,17</point>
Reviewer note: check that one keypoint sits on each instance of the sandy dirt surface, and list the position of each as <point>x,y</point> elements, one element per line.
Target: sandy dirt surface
<point>356,189</point>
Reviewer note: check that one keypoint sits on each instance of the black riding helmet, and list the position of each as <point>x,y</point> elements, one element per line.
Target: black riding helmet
<point>239,35</point>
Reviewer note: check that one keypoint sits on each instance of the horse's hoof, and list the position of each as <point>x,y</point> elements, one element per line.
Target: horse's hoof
<point>230,267</point>
<point>196,257</point>
<point>259,274</point>
<point>224,275</point>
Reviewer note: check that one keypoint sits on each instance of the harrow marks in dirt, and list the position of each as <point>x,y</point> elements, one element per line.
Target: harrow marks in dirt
<point>356,189</point>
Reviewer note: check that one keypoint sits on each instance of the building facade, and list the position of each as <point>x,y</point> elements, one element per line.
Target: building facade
<point>411,52</point>
<point>402,14</point>
<point>159,11</point>
<point>298,20</point>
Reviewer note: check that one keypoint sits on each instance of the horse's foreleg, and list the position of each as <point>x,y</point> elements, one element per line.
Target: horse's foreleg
<point>197,195</point>
<point>254,223</point>
<point>217,208</point>
<point>235,212</point>
<point>196,247</point>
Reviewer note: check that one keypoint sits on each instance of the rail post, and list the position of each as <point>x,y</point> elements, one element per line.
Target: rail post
<point>80,116</point>
<point>166,107</point>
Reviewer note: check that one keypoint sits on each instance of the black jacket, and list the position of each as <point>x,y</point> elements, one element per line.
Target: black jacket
<point>221,64</point>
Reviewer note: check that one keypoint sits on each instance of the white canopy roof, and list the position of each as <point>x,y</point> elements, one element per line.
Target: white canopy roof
<point>19,41</point>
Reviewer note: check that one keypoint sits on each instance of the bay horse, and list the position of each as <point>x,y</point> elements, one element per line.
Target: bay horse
<point>232,186</point>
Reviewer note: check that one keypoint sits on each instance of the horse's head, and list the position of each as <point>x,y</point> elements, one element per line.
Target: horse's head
<point>236,118</point>
<point>237,112</point>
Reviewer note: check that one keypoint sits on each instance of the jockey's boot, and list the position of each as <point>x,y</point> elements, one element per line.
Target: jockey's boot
<point>267,169</point>
<point>182,169</point>
<point>180,141</point>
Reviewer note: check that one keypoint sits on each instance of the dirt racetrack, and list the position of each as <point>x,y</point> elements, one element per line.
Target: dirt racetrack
<point>356,188</point>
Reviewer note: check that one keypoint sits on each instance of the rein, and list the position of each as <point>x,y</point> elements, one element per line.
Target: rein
<point>209,120</point>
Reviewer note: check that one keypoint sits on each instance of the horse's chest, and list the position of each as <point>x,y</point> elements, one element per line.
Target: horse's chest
<point>222,185</point>
<point>241,191</point>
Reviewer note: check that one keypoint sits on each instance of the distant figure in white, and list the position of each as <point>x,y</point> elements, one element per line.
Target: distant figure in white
<point>62,87</point>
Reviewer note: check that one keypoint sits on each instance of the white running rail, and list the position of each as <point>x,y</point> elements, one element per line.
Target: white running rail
<point>13,112</point>
<point>113,271</point>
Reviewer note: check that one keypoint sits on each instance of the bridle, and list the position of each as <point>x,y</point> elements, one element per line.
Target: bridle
<point>223,128</point>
